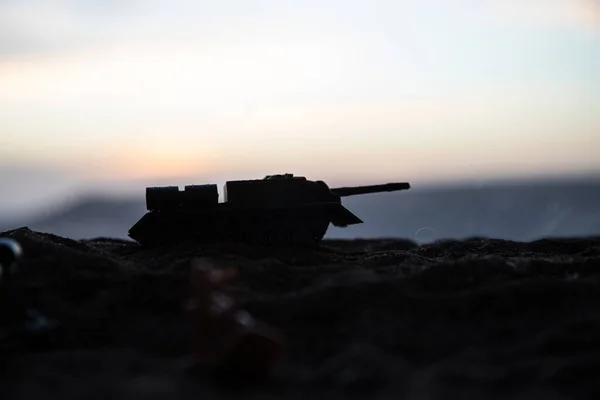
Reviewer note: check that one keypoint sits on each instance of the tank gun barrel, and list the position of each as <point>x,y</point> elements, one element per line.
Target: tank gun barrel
<point>356,190</point>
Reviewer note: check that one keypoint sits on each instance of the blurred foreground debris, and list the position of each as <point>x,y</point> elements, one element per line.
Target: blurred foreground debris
<point>10,252</point>
<point>21,327</point>
<point>224,336</point>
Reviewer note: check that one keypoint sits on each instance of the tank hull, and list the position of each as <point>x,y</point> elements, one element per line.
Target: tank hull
<point>304,224</point>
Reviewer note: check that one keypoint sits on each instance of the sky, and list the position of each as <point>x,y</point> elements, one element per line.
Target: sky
<point>146,91</point>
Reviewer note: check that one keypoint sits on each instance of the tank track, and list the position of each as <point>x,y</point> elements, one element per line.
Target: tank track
<point>279,228</point>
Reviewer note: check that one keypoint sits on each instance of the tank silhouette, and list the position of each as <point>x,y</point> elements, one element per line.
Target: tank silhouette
<point>278,209</point>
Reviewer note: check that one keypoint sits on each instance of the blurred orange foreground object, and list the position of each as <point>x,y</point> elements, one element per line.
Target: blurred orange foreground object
<point>224,336</point>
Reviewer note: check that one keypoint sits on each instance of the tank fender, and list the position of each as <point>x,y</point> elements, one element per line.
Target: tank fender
<point>343,217</point>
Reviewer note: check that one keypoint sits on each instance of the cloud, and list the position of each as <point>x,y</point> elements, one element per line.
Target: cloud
<point>46,26</point>
<point>573,15</point>
<point>42,27</point>
<point>36,27</point>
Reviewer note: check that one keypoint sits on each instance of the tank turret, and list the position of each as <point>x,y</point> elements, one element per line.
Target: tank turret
<point>277,209</point>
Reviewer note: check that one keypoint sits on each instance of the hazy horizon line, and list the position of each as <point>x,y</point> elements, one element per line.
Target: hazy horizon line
<point>126,190</point>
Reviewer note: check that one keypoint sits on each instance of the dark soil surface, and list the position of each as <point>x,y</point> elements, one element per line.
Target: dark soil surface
<point>478,318</point>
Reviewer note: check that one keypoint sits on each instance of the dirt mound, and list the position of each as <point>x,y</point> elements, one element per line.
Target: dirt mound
<point>478,318</point>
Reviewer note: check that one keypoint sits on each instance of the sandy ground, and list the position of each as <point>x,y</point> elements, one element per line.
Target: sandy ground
<point>390,319</point>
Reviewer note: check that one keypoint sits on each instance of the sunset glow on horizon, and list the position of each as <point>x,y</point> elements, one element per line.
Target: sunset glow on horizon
<point>413,89</point>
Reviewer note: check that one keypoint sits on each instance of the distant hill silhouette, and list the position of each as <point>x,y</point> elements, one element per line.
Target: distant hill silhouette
<point>517,211</point>
<point>87,217</point>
